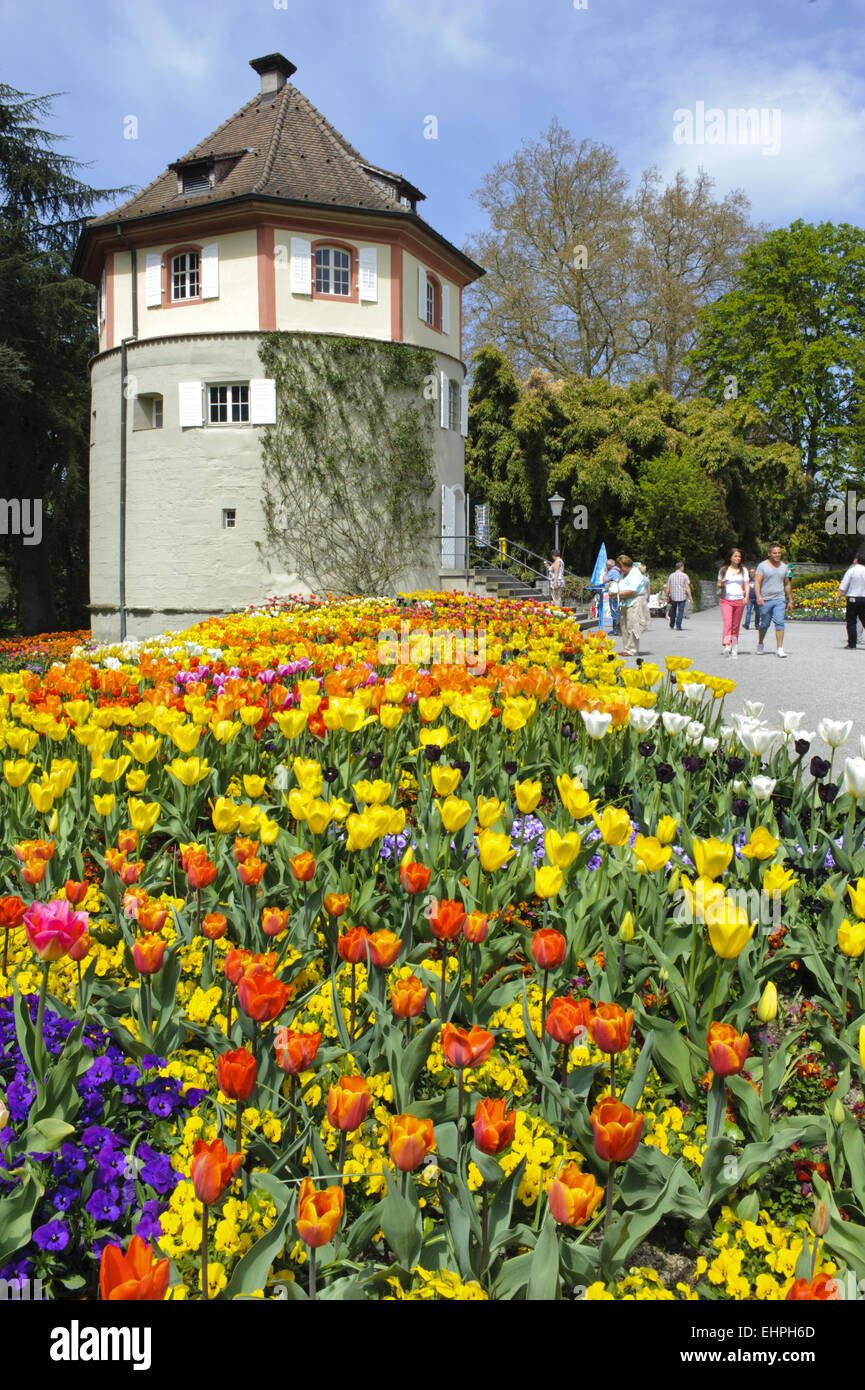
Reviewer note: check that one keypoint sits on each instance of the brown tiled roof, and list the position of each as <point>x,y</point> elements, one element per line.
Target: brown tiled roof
<point>287,150</point>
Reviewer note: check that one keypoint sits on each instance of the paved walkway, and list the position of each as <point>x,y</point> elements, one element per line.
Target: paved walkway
<point>819,676</point>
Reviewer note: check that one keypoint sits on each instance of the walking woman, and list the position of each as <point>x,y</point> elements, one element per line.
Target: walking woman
<point>632,620</point>
<point>733,581</point>
<point>556,572</point>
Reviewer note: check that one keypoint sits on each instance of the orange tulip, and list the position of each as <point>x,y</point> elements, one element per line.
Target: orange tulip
<point>127,840</point>
<point>296,1052</point>
<point>352,945</point>
<point>411,1140</point>
<point>133,1276</point>
<point>12,911</point>
<point>245,849</point>
<point>274,920</point>
<point>199,869</point>
<point>251,871</point>
<point>131,873</point>
<point>414,878</point>
<point>727,1049</point>
<point>261,995</point>
<point>35,849</point>
<point>574,1196</point>
<point>610,1027</point>
<point>567,1018</point>
<point>303,866</point>
<point>493,1126</point>
<point>214,926</point>
<point>465,1049</point>
<point>408,997</point>
<point>212,1169</point>
<point>446,918</point>
<point>75,894</point>
<point>237,1073</point>
<point>336,903</point>
<point>348,1102</point>
<point>475,928</point>
<point>318,1213</point>
<point>115,859</point>
<point>148,953</point>
<point>235,963</point>
<point>548,948</point>
<point>33,871</point>
<point>617,1130</point>
<point>384,947</point>
<point>824,1288</point>
<point>80,948</point>
<point>152,916</point>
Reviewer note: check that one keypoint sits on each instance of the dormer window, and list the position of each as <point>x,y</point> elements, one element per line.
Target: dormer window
<point>195,179</point>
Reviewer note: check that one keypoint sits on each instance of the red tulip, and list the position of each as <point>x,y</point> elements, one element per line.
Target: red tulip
<point>75,894</point>
<point>336,903</point>
<point>548,948</point>
<point>727,1049</point>
<point>251,871</point>
<point>384,947</point>
<point>823,1288</point>
<point>212,1170</point>
<point>617,1130</point>
<point>567,1018</point>
<point>296,1052</point>
<point>237,1073</point>
<point>414,877</point>
<point>274,920</point>
<point>318,1213</point>
<point>610,1027</point>
<point>574,1196</point>
<point>235,963</point>
<point>408,997</point>
<point>446,918</point>
<point>199,869</point>
<point>133,1276</point>
<point>493,1126</point>
<point>214,926</point>
<point>245,849</point>
<point>411,1140</point>
<point>261,995</point>
<point>303,866</point>
<point>475,928</point>
<point>352,945</point>
<point>148,953</point>
<point>465,1049</point>
<point>348,1103</point>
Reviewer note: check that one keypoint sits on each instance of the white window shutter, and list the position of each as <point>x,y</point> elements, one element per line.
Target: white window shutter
<point>301,266</point>
<point>446,308</point>
<point>262,402</point>
<point>444,393</point>
<point>100,303</point>
<point>189,400</point>
<point>464,411</point>
<point>210,271</point>
<point>153,281</point>
<point>449,512</point>
<point>368,268</point>
<point>421,293</point>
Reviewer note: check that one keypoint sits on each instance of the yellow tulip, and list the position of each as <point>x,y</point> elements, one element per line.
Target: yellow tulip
<point>626,929</point>
<point>527,794</point>
<point>104,804</point>
<point>396,824</point>
<point>700,895</point>
<point>224,730</point>
<point>250,715</point>
<point>309,775</point>
<point>767,1009</point>
<point>729,928</point>
<point>41,795</point>
<point>224,815</point>
<point>248,819</point>
<point>308,688</point>
<point>495,850</point>
<point>435,738</point>
<point>474,710</point>
<point>143,747</point>
<point>299,802</point>
<point>339,808</point>
<point>77,710</point>
<point>650,854</point>
<point>189,771</point>
<point>857,897</point>
<point>372,793</point>
<point>350,713</point>
<point>851,936</point>
<point>110,769</point>
<point>454,813</point>
<point>665,830</point>
<point>548,881</point>
<point>101,743</point>
<point>22,740</point>
<point>712,857</point>
<point>268,830</point>
<point>446,779</point>
<point>562,850</point>
<point>309,702</point>
<point>862,1046</point>
<point>52,823</point>
<point>395,691</point>
<point>143,815</point>
<point>614,825</point>
<point>777,879</point>
<point>489,811</point>
<point>429,708</point>
<point>254,786</point>
<point>762,844</point>
<point>389,716</point>
<point>291,723</point>
<point>318,816</point>
<point>17,771</point>
<point>137,780</point>
<point>361,832</point>
<point>575,798</point>
<point>185,737</point>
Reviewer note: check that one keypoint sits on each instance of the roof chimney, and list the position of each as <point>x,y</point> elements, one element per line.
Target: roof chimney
<point>274,71</point>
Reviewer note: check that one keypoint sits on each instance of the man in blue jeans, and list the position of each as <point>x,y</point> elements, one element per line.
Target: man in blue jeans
<point>678,590</point>
<point>774,592</point>
<point>751,606</point>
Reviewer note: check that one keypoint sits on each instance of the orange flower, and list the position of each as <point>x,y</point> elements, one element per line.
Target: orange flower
<point>75,894</point>
<point>548,948</point>
<point>33,871</point>
<point>408,997</point>
<point>274,920</point>
<point>237,1073</point>
<point>727,1049</point>
<point>336,903</point>
<point>610,1027</point>
<point>235,963</point>
<point>617,1130</point>
<point>465,1049</point>
<point>214,926</point>
<point>147,953</point>
<point>127,840</point>
<point>493,1126</point>
<point>245,849</point>
<point>303,866</point>
<point>133,1276</point>
<point>475,928</point>
<point>131,873</point>
<point>212,1169</point>
<point>199,869</point>
<point>115,859</point>
<point>152,916</point>
<point>824,1288</point>
<point>567,1018</point>
<point>411,1140</point>
<point>251,871</point>
<point>35,849</point>
<point>318,1213</point>
<point>80,948</point>
<point>352,945</point>
<point>348,1102</point>
<point>446,918</point>
<point>574,1196</point>
<point>296,1052</point>
<point>414,878</point>
<point>261,995</point>
<point>384,947</point>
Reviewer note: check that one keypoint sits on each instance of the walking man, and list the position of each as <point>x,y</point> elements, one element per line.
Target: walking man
<point>676,591</point>
<point>852,587</point>
<point>773,593</point>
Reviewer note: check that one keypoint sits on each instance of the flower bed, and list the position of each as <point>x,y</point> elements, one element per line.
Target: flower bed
<point>817,603</point>
<point>337,970</point>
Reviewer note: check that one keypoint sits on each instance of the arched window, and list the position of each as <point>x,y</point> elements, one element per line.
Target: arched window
<point>433,302</point>
<point>335,271</point>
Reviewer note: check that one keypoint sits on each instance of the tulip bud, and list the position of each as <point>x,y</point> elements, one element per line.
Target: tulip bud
<point>838,1112</point>
<point>862,1046</point>
<point>673,882</point>
<point>767,1009</point>
<point>626,930</point>
<point>820,1219</point>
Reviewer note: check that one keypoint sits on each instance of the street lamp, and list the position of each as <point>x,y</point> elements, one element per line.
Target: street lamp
<point>556,503</point>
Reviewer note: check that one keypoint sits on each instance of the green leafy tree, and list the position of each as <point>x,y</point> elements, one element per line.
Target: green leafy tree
<point>678,511</point>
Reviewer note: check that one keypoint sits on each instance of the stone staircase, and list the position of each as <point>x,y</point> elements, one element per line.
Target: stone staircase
<point>497,583</point>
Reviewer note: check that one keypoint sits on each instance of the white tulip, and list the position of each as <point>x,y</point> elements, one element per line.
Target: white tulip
<point>596,723</point>
<point>643,719</point>
<point>753,708</point>
<point>694,731</point>
<point>739,787</point>
<point>862,745</point>
<point>763,788</point>
<point>692,691</point>
<point>675,723</point>
<point>854,777</point>
<point>835,731</point>
<point>726,730</point>
<point>791,719</point>
<point>710,745</point>
<point>757,741</point>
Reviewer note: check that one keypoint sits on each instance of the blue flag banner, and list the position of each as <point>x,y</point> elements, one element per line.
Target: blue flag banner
<point>600,566</point>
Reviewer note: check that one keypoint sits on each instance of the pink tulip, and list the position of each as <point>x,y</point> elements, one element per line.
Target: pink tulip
<point>53,927</point>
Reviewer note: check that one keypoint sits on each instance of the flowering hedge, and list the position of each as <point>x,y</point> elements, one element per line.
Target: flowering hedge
<point>325,977</point>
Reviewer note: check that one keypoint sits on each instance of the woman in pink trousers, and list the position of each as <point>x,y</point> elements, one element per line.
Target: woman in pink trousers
<point>733,579</point>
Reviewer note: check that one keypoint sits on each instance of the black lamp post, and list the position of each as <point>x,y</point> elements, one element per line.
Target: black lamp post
<point>556,503</point>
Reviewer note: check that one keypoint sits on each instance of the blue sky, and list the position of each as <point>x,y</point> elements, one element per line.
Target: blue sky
<point>493,73</point>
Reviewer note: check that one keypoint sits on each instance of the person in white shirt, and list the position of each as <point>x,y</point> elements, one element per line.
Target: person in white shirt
<point>852,587</point>
<point>733,581</point>
<point>632,620</point>
<point>556,572</point>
